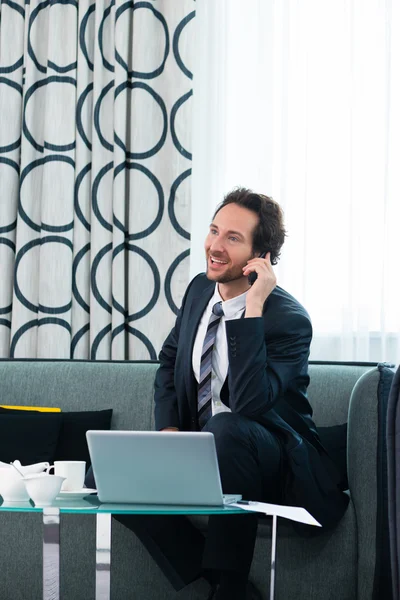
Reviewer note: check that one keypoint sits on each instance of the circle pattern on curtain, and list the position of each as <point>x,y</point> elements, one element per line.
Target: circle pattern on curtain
<point>95,153</point>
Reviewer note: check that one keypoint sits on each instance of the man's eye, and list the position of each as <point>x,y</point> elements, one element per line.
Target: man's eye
<point>233,238</point>
<point>213,231</point>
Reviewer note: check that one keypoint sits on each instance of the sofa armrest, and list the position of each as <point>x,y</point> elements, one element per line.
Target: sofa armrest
<point>362,447</point>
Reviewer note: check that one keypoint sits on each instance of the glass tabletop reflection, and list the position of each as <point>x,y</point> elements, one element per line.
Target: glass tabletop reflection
<point>91,505</point>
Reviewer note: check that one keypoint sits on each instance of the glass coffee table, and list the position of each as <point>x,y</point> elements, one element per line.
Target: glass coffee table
<point>103,512</point>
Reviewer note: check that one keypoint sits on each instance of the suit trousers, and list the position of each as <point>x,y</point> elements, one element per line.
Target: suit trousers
<point>250,463</point>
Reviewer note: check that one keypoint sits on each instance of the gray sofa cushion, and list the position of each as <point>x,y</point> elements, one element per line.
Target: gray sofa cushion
<point>330,389</point>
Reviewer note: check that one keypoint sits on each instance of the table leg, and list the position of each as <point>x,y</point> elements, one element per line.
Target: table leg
<point>273,558</point>
<point>103,556</point>
<point>51,553</point>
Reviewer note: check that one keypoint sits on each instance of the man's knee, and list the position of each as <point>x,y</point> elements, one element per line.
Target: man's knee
<point>227,426</point>
<point>235,433</point>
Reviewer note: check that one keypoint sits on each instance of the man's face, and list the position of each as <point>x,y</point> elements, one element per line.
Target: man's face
<point>229,242</point>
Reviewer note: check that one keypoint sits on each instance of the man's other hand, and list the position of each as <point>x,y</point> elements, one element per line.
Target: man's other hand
<point>170,429</point>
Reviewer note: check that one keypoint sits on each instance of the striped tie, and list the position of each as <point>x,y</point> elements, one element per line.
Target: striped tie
<point>204,389</point>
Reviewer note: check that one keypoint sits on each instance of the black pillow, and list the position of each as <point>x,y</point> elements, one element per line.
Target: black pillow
<point>334,440</point>
<point>28,436</point>
<point>72,444</point>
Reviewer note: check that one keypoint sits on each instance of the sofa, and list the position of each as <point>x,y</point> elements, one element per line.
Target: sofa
<point>334,565</point>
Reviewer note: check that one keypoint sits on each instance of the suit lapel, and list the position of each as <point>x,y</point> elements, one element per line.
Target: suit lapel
<point>196,309</point>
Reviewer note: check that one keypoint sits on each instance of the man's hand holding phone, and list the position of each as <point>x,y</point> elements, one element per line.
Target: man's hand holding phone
<point>263,285</point>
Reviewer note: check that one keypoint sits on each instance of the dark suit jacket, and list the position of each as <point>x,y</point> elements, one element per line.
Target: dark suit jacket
<point>267,382</point>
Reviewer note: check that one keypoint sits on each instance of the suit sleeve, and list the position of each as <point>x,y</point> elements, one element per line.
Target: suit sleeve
<point>263,366</point>
<point>166,402</point>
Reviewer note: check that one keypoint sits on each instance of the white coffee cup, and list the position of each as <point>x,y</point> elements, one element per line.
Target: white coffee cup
<point>74,473</point>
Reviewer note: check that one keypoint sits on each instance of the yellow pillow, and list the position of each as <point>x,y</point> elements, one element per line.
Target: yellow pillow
<point>39,408</point>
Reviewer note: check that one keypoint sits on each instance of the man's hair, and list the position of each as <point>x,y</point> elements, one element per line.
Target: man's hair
<point>269,234</point>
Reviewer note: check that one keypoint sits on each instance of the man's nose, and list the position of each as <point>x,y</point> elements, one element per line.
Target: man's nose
<point>217,246</point>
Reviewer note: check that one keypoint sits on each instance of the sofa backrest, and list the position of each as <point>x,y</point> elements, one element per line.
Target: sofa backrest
<point>329,392</point>
<point>127,387</point>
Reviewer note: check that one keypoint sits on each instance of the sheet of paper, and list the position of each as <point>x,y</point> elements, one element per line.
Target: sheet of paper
<point>293,513</point>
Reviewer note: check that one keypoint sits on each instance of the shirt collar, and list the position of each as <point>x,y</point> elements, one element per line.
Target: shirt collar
<point>230,307</point>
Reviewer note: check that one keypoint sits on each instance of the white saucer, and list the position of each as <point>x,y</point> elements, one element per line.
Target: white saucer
<point>75,494</point>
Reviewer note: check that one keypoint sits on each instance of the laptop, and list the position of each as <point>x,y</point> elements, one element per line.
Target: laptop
<point>154,467</point>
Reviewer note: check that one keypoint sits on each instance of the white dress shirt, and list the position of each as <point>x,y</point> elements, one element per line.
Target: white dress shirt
<point>233,309</point>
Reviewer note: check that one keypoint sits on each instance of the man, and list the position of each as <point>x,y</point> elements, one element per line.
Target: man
<point>235,364</point>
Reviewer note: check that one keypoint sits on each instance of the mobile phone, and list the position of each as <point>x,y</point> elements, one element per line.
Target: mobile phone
<point>253,276</point>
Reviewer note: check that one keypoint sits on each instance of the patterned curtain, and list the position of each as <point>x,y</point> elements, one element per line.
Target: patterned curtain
<point>95,137</point>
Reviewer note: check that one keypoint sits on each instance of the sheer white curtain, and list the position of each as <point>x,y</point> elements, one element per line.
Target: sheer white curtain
<point>301,101</point>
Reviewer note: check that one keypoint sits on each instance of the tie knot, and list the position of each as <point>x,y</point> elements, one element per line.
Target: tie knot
<point>217,309</point>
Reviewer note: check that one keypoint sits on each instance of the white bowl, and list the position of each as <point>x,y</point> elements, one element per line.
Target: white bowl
<point>43,488</point>
<point>12,486</point>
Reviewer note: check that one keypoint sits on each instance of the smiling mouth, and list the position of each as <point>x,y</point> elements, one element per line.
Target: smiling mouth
<point>217,261</point>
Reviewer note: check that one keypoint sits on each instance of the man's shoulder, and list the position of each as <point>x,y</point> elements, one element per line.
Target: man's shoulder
<point>198,284</point>
<point>284,304</point>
